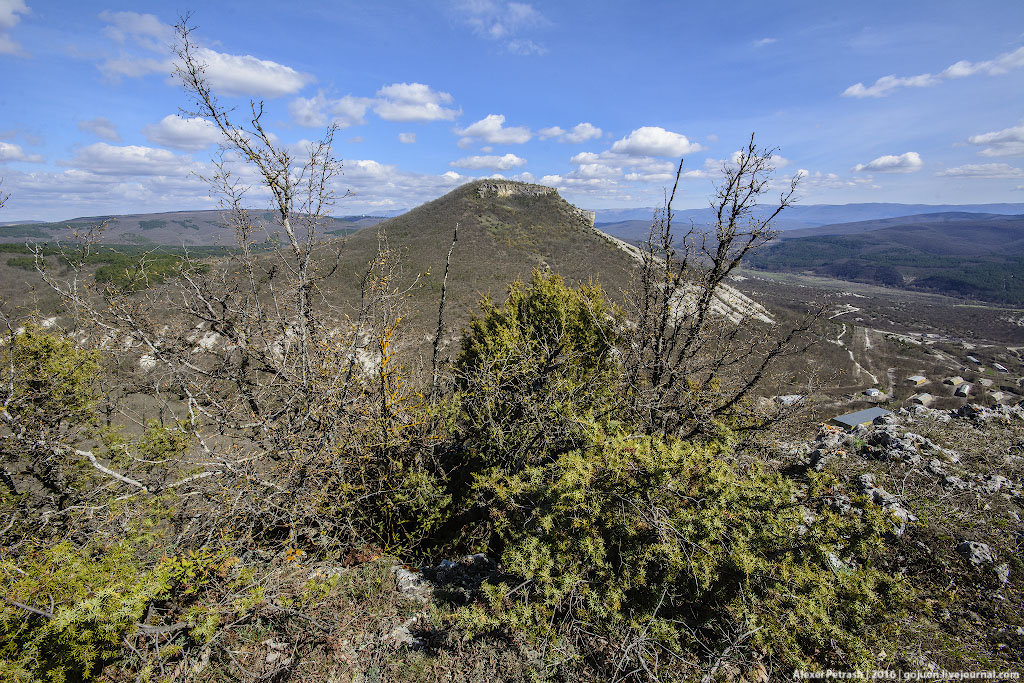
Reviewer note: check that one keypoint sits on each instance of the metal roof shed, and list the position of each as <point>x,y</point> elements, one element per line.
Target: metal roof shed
<point>861,417</point>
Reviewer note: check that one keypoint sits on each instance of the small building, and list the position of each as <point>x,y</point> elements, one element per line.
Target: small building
<point>974,360</point>
<point>998,396</point>
<point>999,367</point>
<point>789,399</point>
<point>917,380</point>
<point>963,390</point>
<point>985,382</point>
<point>924,398</point>
<point>954,381</point>
<point>873,392</point>
<point>861,417</point>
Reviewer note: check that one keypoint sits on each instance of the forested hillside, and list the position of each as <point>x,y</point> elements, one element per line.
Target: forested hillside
<point>979,257</point>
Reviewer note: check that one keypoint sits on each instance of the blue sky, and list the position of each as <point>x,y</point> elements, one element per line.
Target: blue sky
<point>868,101</point>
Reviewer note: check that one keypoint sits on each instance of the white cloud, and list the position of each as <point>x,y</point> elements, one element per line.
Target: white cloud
<point>763,42</point>
<point>101,127</point>
<point>983,171</point>
<point>145,30</point>
<point>104,159</point>
<point>892,163</point>
<point>375,185</point>
<point>888,84</point>
<point>9,18</point>
<point>654,141</point>
<point>75,192</point>
<point>228,74</point>
<point>581,132</point>
<point>248,75</point>
<point>82,192</point>
<point>502,163</point>
<point>413,102</point>
<point>189,134</point>
<point>1001,143</point>
<point>503,22</point>
<point>817,180</point>
<point>714,166</point>
<point>492,129</point>
<point>136,67</point>
<point>596,171</point>
<point>317,111</point>
<point>407,138</point>
<point>649,177</point>
<point>12,152</point>
<point>525,46</point>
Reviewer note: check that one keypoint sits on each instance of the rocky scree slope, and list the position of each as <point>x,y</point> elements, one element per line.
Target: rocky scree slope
<point>953,482</point>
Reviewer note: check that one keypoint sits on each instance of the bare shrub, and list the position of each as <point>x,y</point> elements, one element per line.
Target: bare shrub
<point>691,362</point>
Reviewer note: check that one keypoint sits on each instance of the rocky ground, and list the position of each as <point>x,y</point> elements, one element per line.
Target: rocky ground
<point>953,483</point>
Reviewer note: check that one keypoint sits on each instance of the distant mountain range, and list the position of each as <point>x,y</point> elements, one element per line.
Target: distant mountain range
<point>975,255</point>
<point>176,228</point>
<point>798,216</point>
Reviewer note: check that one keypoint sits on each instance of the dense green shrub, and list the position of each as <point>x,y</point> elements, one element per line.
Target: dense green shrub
<point>534,369</point>
<point>128,273</point>
<point>23,262</point>
<point>92,598</point>
<point>618,547</point>
<point>639,535</point>
<point>54,380</point>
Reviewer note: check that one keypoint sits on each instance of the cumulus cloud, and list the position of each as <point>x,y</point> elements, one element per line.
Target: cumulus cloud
<point>983,171</point>
<point>188,134</point>
<point>104,159</point>
<point>374,185</point>
<point>1008,142</point>
<point>318,110</point>
<point>75,192</point>
<point>892,163</point>
<point>407,138</point>
<point>12,152</point>
<point>228,74</point>
<point>504,22</point>
<point>886,85</point>
<point>144,30</point>
<point>654,141</point>
<point>10,15</point>
<point>408,102</point>
<point>231,75</point>
<point>500,163</point>
<point>101,127</point>
<point>817,180</point>
<point>581,132</point>
<point>113,184</point>
<point>492,129</point>
<point>550,132</point>
<point>606,169</point>
<point>716,166</point>
<point>135,67</point>
<point>248,75</point>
